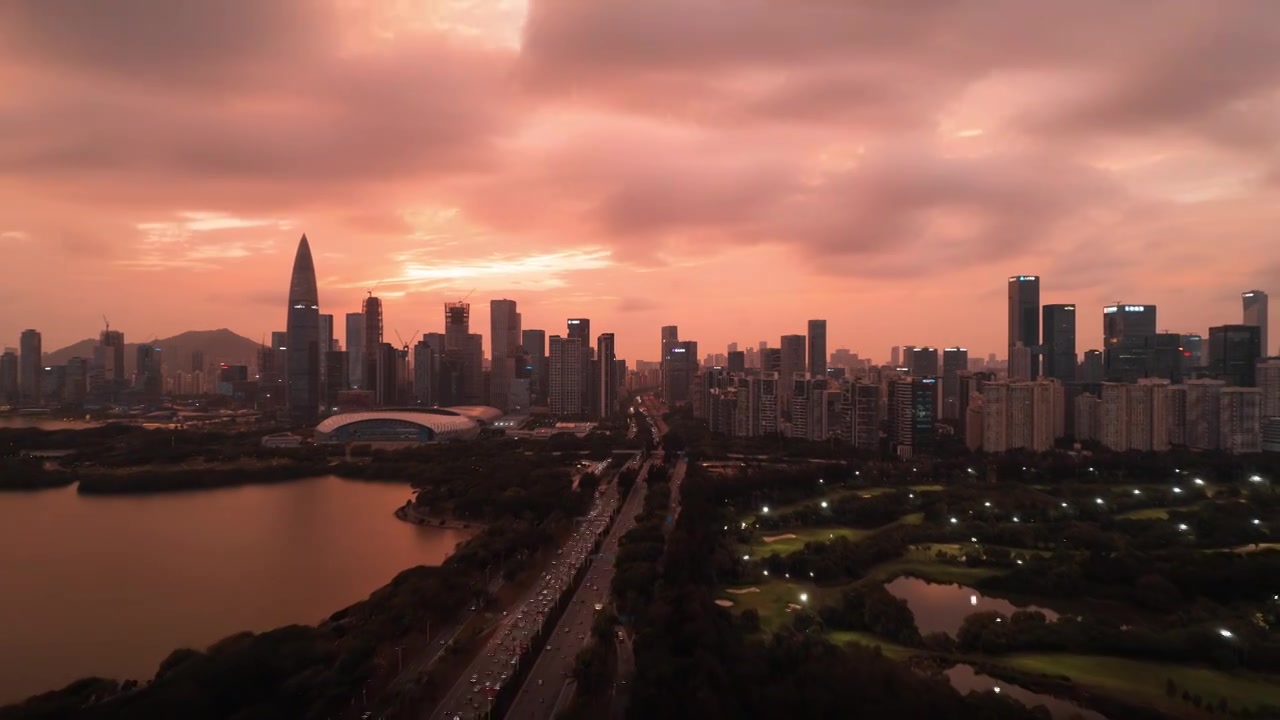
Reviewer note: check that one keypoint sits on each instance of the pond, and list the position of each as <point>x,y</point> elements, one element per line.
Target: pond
<point>943,608</point>
<point>967,679</point>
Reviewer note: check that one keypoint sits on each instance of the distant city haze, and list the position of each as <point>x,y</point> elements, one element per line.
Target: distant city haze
<point>109,586</point>
<point>734,167</point>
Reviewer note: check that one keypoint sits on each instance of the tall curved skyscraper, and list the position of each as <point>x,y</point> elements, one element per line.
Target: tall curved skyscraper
<point>302,354</point>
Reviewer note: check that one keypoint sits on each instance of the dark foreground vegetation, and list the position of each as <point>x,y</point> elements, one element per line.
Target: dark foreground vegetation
<point>307,672</point>
<point>693,661</point>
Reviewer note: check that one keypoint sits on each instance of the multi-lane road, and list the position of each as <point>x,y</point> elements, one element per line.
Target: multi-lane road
<point>547,686</point>
<point>499,658</point>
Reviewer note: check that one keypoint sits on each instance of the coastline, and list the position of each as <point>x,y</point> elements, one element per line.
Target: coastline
<point>409,514</point>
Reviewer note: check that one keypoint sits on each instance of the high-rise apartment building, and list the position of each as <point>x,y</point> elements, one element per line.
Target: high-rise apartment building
<point>955,360</point>
<point>1018,415</point>
<point>1267,377</point>
<point>1204,413</point>
<point>356,363</point>
<point>818,348</point>
<point>1022,361</point>
<point>1234,351</point>
<point>865,401</point>
<point>1128,341</point>
<point>147,376</point>
<point>610,381</point>
<point>1113,420</point>
<point>1059,346</point>
<point>895,356</point>
<point>565,392</point>
<point>1240,421</point>
<point>1024,317</point>
<point>809,418</point>
<point>580,328</point>
<point>302,371</point>
<point>794,360</point>
<point>31,368</point>
<point>1147,408</point>
<point>1255,313</point>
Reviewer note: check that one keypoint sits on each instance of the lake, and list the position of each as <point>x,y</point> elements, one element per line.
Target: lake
<point>943,608</point>
<point>43,422</point>
<point>93,585</point>
<point>965,679</point>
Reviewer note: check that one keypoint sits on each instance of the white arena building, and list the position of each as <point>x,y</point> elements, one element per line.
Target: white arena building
<point>407,425</point>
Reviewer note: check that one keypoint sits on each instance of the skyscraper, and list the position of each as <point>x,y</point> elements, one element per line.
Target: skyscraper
<point>326,333</point>
<point>670,336</point>
<point>923,362</point>
<point>1024,316</point>
<point>580,328</point>
<point>1129,339</point>
<point>356,364</point>
<point>31,368</point>
<point>818,348</point>
<point>302,371</point>
<point>371,308</point>
<point>1234,351</point>
<point>955,360</point>
<point>1192,350</point>
<point>679,369</point>
<point>534,345</point>
<point>609,380</point>
<point>565,393</point>
<point>1059,346</point>
<point>8,377</point>
<point>504,343</point>
<point>1255,313</point>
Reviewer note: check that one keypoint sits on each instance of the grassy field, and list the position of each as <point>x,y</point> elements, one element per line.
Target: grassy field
<point>1143,683</point>
<point>784,545</point>
<point>853,637</point>
<point>920,562</point>
<point>774,596</point>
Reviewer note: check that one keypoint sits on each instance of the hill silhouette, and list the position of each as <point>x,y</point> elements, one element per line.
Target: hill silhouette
<point>218,346</point>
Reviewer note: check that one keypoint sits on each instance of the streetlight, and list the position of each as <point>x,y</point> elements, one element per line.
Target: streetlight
<point>1198,481</point>
<point>1255,479</point>
<point>766,510</point>
<point>1177,490</point>
<point>1136,491</point>
<point>1226,633</point>
<point>746,557</point>
<point>804,597</point>
<point>824,503</point>
<point>1099,501</point>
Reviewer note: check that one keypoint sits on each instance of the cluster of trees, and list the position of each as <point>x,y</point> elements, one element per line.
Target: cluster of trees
<point>641,549</point>
<point>870,607</point>
<point>692,661</point>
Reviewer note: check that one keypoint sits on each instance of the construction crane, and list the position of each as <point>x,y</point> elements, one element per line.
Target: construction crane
<point>106,322</point>
<point>469,294</point>
<point>375,287</point>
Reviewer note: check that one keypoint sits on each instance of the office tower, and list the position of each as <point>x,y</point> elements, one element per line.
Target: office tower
<point>1204,413</point>
<point>147,376</point>
<point>794,358</point>
<point>733,347</point>
<point>1192,350</point>
<point>679,369</point>
<point>326,333</point>
<point>1234,351</point>
<point>1021,363</point>
<point>1091,370</point>
<point>670,336</point>
<point>1128,336</point>
<point>912,409</point>
<point>356,363</point>
<point>1240,419</point>
<point>907,351</point>
<point>580,328</point>
<point>302,366</point>
<point>771,360</point>
<point>751,358</point>
<point>505,351</point>
<point>464,353</point>
<point>426,371</point>
<point>75,381</point>
<point>107,374</point>
<point>895,356</point>
<point>565,392</point>
<point>1059,346</point>
<point>955,360</point>
<point>1267,377</point>
<point>9,378</point>
<point>197,361</point>
<point>818,348</point>
<point>371,309</point>
<point>1024,317</point>
<point>1255,313</point>
<point>737,361</point>
<point>1166,359</point>
<point>534,344</point>
<point>336,375</point>
<point>386,367</point>
<point>923,362</point>
<point>610,381</point>
<point>31,368</point>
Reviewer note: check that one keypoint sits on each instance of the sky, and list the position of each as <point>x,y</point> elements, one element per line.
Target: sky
<point>734,167</point>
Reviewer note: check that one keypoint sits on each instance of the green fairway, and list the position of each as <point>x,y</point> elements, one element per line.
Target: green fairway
<point>854,637</point>
<point>781,544</point>
<point>773,598</point>
<point>920,562</point>
<point>1143,683</point>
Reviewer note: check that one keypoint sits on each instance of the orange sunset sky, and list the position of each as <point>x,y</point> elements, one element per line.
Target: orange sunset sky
<point>734,167</point>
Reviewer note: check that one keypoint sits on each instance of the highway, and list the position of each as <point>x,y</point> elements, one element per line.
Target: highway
<point>497,660</point>
<point>547,687</point>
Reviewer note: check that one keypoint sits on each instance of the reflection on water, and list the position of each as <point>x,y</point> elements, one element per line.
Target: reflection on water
<point>943,608</point>
<point>93,585</point>
<point>965,679</point>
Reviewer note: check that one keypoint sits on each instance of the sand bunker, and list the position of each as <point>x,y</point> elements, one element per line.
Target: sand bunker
<point>772,538</point>
<point>725,603</point>
<point>742,591</point>
<point>792,607</point>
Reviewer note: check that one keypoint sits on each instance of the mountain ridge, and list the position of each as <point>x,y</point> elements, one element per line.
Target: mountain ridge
<point>218,346</point>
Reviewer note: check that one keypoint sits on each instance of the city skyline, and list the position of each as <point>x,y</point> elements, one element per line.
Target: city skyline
<point>583,173</point>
